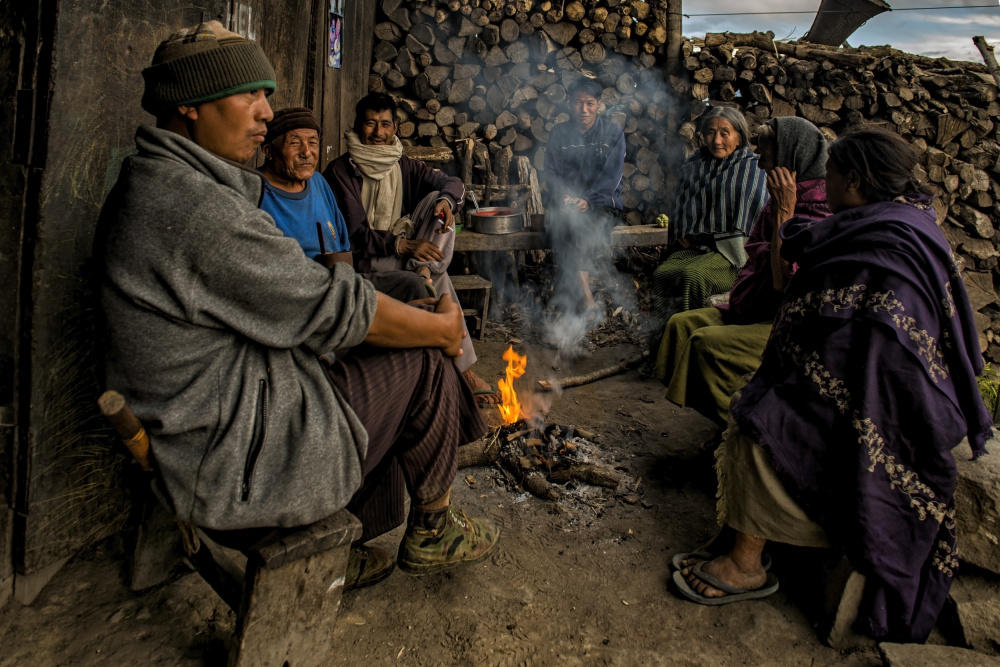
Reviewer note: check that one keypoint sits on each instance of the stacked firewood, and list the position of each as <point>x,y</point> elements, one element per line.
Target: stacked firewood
<point>948,111</point>
<point>497,71</point>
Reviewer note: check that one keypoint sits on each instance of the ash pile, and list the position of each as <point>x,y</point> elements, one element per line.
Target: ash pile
<point>551,462</point>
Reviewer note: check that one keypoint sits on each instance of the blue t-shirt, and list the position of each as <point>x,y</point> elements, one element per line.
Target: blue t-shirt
<point>296,214</point>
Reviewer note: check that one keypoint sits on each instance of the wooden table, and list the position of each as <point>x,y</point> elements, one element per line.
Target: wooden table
<point>623,236</point>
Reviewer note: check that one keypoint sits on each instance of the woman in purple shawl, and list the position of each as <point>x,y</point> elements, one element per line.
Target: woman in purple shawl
<point>844,435</point>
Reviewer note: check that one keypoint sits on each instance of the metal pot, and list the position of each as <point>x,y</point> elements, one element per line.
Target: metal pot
<point>497,220</point>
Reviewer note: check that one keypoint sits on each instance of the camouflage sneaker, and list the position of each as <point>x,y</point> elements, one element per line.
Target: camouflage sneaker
<point>367,565</point>
<point>445,538</point>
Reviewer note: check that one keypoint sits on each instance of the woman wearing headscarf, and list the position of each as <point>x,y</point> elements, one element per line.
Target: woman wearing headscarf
<point>844,436</point>
<point>719,195</point>
<point>706,353</point>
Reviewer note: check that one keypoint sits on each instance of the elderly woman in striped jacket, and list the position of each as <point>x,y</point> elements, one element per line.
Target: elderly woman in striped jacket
<point>720,193</point>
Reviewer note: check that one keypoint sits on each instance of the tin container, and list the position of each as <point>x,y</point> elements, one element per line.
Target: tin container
<point>497,220</point>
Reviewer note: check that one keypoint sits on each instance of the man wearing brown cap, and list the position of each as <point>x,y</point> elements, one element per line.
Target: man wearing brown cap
<point>215,321</point>
<point>302,204</point>
<point>294,194</point>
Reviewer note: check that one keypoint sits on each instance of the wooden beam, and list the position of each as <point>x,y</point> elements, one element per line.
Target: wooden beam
<point>429,153</point>
<point>625,236</point>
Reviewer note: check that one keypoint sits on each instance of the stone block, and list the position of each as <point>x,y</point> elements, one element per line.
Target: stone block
<point>977,503</point>
<point>976,604</point>
<point>843,593</point>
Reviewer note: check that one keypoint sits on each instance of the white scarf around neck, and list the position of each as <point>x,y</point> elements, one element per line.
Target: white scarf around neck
<point>381,180</point>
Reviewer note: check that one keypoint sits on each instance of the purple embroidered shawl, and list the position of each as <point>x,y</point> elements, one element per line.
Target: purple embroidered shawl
<point>866,385</point>
<point>753,297</point>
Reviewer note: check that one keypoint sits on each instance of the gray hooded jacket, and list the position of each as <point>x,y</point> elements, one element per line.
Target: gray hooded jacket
<point>214,323</point>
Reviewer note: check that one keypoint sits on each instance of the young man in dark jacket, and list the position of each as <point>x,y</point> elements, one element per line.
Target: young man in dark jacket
<point>584,161</point>
<point>400,213</point>
<point>215,322</point>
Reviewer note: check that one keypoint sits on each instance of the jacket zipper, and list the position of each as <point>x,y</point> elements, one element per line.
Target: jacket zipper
<point>259,431</point>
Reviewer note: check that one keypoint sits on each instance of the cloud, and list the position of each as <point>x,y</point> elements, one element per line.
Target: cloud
<point>932,33</point>
<point>969,20</point>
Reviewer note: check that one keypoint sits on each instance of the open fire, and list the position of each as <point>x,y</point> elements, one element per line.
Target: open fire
<point>535,455</point>
<point>510,408</point>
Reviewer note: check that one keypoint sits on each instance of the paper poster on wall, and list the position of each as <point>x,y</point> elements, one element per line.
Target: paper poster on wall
<point>336,23</point>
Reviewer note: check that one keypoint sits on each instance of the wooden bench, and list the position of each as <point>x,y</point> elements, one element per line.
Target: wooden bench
<point>283,584</point>
<point>479,305</point>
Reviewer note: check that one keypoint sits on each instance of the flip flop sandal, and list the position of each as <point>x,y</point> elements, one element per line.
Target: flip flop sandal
<point>705,555</point>
<point>732,594</point>
<point>430,289</point>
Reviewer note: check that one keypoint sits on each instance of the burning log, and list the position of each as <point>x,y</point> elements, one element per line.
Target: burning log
<point>577,380</point>
<point>539,486</point>
<point>588,473</point>
<point>482,452</point>
<point>532,454</point>
<point>592,474</point>
<point>549,458</point>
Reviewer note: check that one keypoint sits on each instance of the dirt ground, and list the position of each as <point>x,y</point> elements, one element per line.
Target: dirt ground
<point>581,581</point>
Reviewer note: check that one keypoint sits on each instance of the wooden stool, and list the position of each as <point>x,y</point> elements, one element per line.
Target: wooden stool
<point>284,584</point>
<point>480,301</point>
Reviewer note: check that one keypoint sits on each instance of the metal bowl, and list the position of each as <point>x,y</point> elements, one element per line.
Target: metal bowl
<point>497,220</point>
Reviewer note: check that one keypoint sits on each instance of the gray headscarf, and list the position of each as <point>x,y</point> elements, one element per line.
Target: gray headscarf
<point>801,147</point>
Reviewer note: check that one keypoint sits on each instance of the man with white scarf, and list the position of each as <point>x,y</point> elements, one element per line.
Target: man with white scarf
<point>400,213</point>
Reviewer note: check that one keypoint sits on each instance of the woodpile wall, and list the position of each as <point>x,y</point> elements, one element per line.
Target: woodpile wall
<point>488,79</point>
<point>947,110</point>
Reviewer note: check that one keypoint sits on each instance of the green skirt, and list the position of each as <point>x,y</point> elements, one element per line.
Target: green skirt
<point>704,361</point>
<point>685,280</point>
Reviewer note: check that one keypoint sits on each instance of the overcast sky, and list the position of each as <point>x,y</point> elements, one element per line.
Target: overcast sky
<point>943,32</point>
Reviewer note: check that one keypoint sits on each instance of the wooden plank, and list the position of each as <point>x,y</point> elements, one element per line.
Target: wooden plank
<point>634,236</point>
<point>284,34</point>
<point>289,612</point>
<point>470,282</point>
<point>336,530</point>
<point>12,186</point>
<point>342,92</point>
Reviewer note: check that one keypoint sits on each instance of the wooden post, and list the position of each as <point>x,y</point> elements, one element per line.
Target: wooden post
<point>467,159</point>
<point>675,36</point>
<point>675,146</point>
<point>991,61</point>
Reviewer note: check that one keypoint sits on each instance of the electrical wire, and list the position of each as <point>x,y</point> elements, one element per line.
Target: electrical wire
<point>843,11</point>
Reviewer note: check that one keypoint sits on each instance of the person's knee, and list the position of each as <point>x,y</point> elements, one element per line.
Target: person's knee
<point>705,339</point>
<point>434,361</point>
<point>411,287</point>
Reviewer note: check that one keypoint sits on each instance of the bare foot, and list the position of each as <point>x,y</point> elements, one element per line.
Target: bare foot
<point>718,545</point>
<point>726,569</point>
<point>476,383</point>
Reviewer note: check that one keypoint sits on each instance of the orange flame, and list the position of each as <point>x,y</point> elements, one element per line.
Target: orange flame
<point>510,409</point>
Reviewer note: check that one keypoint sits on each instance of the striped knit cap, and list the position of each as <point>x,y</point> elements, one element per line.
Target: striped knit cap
<point>292,118</point>
<point>204,63</point>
